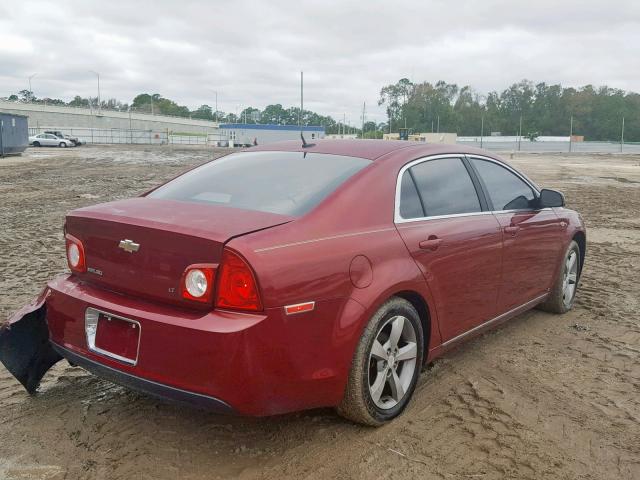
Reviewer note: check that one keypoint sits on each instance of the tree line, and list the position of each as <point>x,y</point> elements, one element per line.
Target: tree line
<point>522,108</point>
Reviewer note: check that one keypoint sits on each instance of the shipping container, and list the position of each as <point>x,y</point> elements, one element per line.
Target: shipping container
<point>14,134</point>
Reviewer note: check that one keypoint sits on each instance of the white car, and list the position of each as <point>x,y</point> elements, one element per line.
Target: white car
<point>49,140</point>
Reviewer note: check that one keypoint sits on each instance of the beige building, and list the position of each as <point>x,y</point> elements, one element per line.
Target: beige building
<point>445,138</point>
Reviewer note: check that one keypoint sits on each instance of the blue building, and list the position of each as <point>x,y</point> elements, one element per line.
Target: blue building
<point>14,134</point>
<point>257,134</point>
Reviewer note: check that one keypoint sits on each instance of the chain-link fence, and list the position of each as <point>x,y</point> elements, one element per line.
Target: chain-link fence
<point>548,144</point>
<point>138,137</point>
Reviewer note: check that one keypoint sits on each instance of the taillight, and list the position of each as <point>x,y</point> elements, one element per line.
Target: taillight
<point>197,282</point>
<point>237,285</point>
<point>75,254</point>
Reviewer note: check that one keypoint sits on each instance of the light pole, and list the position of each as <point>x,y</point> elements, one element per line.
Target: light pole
<point>99,102</point>
<point>31,91</point>
<point>215,113</point>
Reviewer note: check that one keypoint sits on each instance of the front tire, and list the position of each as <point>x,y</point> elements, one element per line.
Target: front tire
<point>36,144</point>
<point>386,365</point>
<point>563,292</point>
<point>62,145</point>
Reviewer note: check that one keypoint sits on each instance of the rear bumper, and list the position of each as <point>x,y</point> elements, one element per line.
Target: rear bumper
<point>250,364</point>
<point>149,387</point>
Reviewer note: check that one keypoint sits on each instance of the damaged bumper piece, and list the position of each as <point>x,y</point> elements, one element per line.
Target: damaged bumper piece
<point>25,349</point>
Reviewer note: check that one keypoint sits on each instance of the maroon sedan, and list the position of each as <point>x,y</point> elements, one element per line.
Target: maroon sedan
<point>293,276</point>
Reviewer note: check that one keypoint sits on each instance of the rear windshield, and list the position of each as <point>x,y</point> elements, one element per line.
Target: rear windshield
<point>288,183</point>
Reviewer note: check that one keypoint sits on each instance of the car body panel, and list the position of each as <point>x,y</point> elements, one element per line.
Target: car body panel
<point>463,272</point>
<point>530,254</point>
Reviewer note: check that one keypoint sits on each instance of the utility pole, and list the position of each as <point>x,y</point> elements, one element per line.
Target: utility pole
<point>481,130</point>
<point>571,134</point>
<point>31,91</point>
<point>622,136</point>
<point>438,131</point>
<point>215,113</point>
<point>301,101</point>
<point>520,133</point>
<point>99,101</point>
<point>364,106</point>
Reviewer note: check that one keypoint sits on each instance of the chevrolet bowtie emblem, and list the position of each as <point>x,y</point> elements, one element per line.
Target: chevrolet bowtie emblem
<point>129,245</point>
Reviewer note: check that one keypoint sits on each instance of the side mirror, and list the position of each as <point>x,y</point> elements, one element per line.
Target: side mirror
<point>550,198</point>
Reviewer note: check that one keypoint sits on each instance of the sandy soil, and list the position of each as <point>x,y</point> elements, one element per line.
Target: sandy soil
<point>544,397</point>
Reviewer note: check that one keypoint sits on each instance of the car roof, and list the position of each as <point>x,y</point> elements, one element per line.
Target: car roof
<point>369,149</point>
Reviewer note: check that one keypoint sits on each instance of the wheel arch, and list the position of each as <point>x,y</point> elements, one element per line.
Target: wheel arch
<point>581,239</point>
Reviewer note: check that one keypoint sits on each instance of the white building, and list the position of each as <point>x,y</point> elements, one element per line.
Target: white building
<point>257,134</point>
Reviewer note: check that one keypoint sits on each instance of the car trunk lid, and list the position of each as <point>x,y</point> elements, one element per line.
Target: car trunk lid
<point>142,246</point>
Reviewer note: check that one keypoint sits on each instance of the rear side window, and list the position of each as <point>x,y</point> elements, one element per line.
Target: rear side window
<point>445,187</point>
<point>410,203</point>
<point>506,190</point>
<point>288,183</point>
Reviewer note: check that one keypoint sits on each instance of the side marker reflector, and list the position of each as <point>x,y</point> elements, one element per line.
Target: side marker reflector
<point>299,308</point>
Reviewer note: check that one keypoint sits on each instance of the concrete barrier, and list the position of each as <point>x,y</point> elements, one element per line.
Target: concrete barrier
<point>70,117</point>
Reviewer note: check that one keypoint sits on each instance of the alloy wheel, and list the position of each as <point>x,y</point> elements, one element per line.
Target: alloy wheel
<point>392,362</point>
<point>570,278</point>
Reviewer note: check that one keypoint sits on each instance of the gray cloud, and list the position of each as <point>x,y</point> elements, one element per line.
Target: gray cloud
<point>251,52</point>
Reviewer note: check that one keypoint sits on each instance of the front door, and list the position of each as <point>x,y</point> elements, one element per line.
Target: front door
<point>456,243</point>
<point>531,236</point>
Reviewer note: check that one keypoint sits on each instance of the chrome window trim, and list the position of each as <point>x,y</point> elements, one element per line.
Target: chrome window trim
<point>399,219</point>
<point>94,313</point>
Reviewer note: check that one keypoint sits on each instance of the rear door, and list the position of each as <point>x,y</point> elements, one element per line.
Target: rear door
<point>531,236</point>
<point>443,219</point>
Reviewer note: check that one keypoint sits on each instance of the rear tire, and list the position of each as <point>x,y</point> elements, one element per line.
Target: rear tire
<point>563,292</point>
<point>386,365</point>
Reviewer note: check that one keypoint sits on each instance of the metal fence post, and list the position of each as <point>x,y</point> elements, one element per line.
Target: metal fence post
<point>1,138</point>
<point>520,133</point>
<point>570,133</point>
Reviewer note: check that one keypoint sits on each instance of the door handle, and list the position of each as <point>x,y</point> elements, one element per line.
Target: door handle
<point>432,243</point>
<point>511,230</point>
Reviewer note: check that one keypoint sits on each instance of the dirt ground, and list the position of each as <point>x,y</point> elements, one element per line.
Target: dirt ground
<point>544,397</point>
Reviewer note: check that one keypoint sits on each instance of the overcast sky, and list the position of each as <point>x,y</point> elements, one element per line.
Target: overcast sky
<point>251,52</point>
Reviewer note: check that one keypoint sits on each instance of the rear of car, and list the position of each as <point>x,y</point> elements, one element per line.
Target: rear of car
<point>160,301</point>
